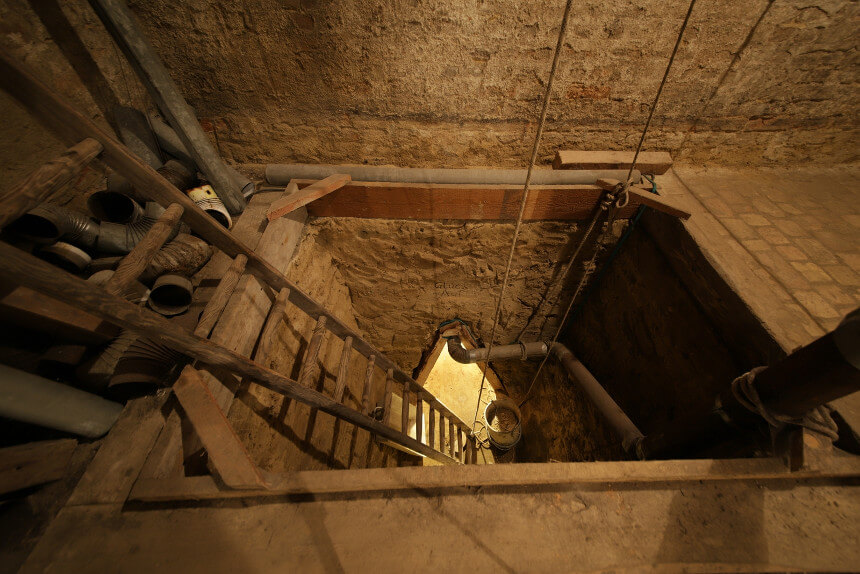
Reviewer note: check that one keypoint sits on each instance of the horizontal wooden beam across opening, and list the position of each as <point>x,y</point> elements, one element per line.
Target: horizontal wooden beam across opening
<point>395,200</point>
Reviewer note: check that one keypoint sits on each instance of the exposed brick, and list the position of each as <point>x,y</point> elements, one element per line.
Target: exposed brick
<point>816,251</point>
<point>852,219</point>
<point>773,236</point>
<point>754,219</point>
<point>739,229</point>
<point>768,207</point>
<point>832,240</point>
<point>790,227</point>
<point>811,271</point>
<point>718,207</point>
<point>816,305</point>
<point>791,252</point>
<point>789,209</point>
<point>756,245</point>
<point>843,275</point>
<point>852,259</point>
<point>782,270</point>
<point>837,296</point>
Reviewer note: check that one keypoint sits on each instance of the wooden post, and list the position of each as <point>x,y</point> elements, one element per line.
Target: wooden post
<point>389,392</point>
<point>431,430</point>
<point>419,416</point>
<point>120,23</point>
<point>46,180</point>
<point>343,371</point>
<point>451,446</point>
<point>470,449</point>
<point>133,264</point>
<point>460,452</point>
<point>368,383</point>
<point>443,432</point>
<point>404,411</point>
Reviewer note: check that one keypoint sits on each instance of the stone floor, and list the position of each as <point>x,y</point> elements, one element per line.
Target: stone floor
<point>786,240</point>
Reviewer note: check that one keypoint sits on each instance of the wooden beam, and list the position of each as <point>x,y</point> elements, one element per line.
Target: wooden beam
<point>51,177</point>
<point>394,200</point>
<point>314,191</point>
<point>229,458</point>
<point>642,196</point>
<point>34,463</point>
<point>122,26</point>
<point>653,162</point>
<point>568,475</point>
<point>27,308</point>
<point>44,277</point>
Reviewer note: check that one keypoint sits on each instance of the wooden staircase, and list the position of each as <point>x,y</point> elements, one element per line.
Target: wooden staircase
<point>227,455</point>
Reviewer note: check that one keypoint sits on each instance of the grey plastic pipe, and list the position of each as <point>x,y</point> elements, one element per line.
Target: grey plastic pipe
<point>170,142</point>
<point>34,399</point>
<point>281,174</point>
<point>631,436</point>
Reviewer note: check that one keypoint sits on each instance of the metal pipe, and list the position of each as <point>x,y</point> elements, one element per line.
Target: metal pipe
<point>281,174</point>
<point>630,435</point>
<point>34,399</point>
<point>49,223</point>
<point>519,350</point>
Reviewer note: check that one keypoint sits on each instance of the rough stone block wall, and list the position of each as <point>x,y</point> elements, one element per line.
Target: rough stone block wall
<point>459,84</point>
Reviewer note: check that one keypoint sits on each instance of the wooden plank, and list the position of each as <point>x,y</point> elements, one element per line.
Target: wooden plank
<point>228,456</point>
<point>642,196</point>
<point>44,277</point>
<point>48,179</point>
<point>69,124</point>
<point>122,26</point>
<point>34,463</point>
<point>112,472</point>
<point>133,264</point>
<point>213,309</point>
<point>568,474</point>
<point>27,308</point>
<point>314,191</point>
<point>653,162</point>
<point>392,200</point>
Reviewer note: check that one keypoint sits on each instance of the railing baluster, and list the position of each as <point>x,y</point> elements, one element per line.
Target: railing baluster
<point>368,383</point>
<point>431,431</point>
<point>404,411</point>
<point>419,416</point>
<point>223,292</point>
<point>343,371</point>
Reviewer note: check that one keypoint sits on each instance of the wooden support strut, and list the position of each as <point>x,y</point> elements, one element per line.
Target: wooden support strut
<point>46,180</point>
<point>44,277</point>
<point>133,264</point>
<point>292,202</point>
<point>228,456</point>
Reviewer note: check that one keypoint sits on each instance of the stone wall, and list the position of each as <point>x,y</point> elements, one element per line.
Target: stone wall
<point>459,84</point>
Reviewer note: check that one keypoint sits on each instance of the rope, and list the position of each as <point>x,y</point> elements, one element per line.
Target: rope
<point>620,195</point>
<point>817,420</point>
<point>545,106</point>
<point>660,89</point>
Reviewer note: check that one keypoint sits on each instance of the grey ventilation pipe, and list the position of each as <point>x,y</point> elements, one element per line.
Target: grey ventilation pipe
<point>170,142</point>
<point>631,436</point>
<point>281,174</point>
<point>34,399</point>
<point>49,223</point>
<point>134,131</point>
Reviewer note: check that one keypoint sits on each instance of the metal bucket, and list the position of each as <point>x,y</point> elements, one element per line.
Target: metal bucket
<point>507,438</point>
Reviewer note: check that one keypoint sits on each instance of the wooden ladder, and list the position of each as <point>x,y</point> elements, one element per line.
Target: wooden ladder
<point>203,411</point>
